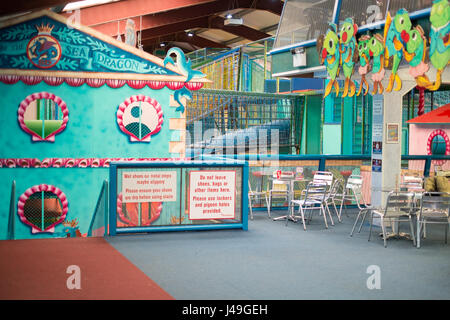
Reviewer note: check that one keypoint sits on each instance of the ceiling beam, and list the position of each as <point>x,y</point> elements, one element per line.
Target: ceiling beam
<point>183,37</point>
<point>242,30</point>
<point>150,33</point>
<point>121,10</point>
<point>183,14</point>
<point>18,6</point>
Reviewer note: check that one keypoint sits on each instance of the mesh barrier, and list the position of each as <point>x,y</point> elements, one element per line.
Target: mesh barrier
<point>230,116</point>
<point>43,209</point>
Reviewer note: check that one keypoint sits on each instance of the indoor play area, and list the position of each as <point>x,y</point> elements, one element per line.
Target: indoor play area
<point>165,159</point>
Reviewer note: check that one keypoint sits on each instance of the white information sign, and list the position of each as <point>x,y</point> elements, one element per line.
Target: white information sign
<point>212,194</point>
<point>149,186</point>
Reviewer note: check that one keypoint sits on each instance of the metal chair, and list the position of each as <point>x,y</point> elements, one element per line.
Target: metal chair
<point>353,192</point>
<point>325,177</point>
<point>333,196</point>
<point>399,208</point>
<point>411,183</point>
<point>280,190</point>
<point>313,198</point>
<point>434,208</point>
<point>256,196</point>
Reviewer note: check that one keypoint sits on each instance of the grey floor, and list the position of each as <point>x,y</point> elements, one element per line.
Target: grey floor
<point>275,261</point>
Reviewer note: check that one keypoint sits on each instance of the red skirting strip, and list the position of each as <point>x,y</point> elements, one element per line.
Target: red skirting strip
<point>37,270</point>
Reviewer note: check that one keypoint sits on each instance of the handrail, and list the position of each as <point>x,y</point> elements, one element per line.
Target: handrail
<point>323,158</point>
<point>12,212</point>
<point>103,192</point>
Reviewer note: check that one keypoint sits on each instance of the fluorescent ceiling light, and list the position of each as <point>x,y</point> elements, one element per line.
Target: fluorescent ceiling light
<point>85,3</point>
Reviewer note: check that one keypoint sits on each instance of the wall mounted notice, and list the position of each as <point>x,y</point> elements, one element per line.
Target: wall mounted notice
<point>149,186</point>
<point>212,194</point>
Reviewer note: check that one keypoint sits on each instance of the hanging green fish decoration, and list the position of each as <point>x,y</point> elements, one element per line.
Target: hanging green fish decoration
<point>439,39</point>
<point>349,54</point>
<point>376,51</point>
<point>364,62</point>
<point>328,49</point>
<point>396,35</point>
<point>416,55</point>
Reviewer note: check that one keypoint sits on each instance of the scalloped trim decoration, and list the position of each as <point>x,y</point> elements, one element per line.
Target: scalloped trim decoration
<point>96,83</point>
<point>39,188</point>
<point>42,95</point>
<point>124,116</point>
<point>73,162</point>
<point>438,132</point>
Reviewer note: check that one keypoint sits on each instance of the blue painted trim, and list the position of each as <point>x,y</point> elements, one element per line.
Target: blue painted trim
<point>114,166</point>
<point>106,221</point>
<point>12,212</point>
<point>336,11</point>
<point>112,199</point>
<point>181,228</point>
<point>244,198</point>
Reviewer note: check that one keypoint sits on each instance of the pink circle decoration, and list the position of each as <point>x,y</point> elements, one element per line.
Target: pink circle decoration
<point>438,132</point>
<point>83,163</point>
<point>42,95</point>
<point>47,163</point>
<point>38,188</point>
<point>194,85</point>
<point>124,117</point>
<point>69,163</point>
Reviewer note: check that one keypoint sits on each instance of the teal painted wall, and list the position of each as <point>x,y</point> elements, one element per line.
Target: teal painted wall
<point>91,132</point>
<point>331,139</point>
<point>92,129</point>
<point>80,185</point>
<point>282,61</point>
<point>347,125</point>
<point>313,124</point>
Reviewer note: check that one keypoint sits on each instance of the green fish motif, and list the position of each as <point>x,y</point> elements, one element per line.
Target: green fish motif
<point>364,62</point>
<point>439,39</point>
<point>415,54</point>
<point>396,35</point>
<point>328,48</point>
<point>377,52</point>
<point>349,54</point>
